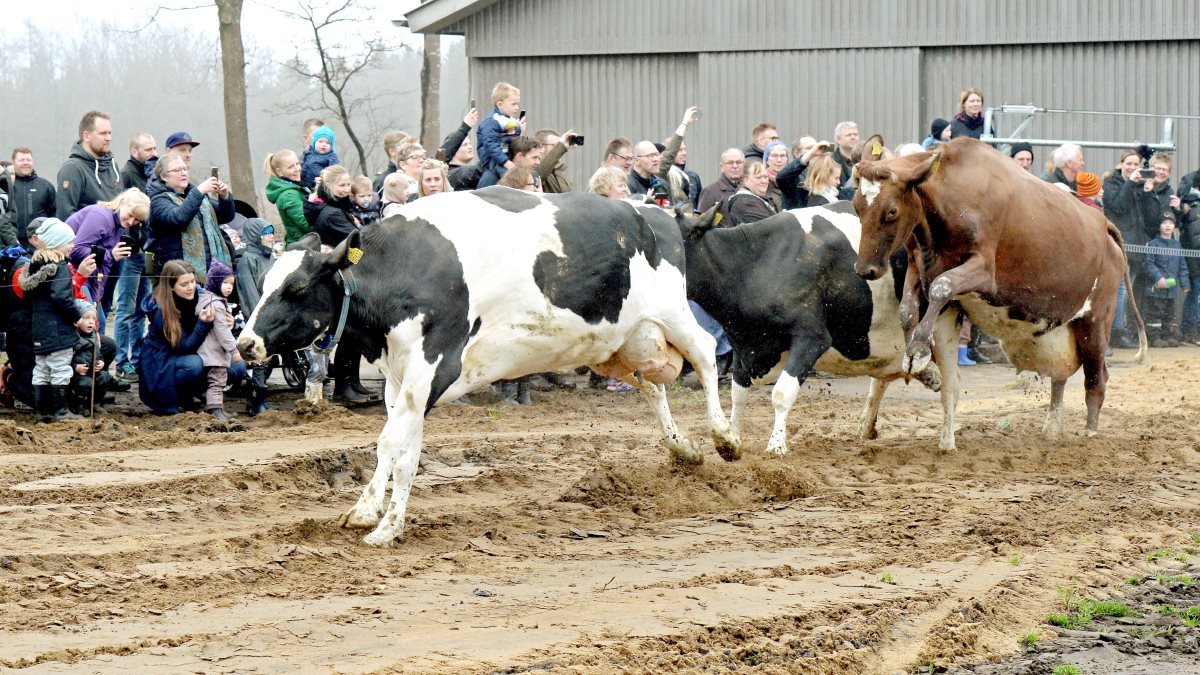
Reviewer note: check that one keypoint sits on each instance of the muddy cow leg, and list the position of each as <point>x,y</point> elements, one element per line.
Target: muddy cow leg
<point>682,448</point>
<point>1053,428</point>
<point>369,508</point>
<point>945,356</point>
<point>805,351</point>
<point>700,349</point>
<point>1091,343</point>
<point>973,275</point>
<point>870,416</point>
<point>739,393</point>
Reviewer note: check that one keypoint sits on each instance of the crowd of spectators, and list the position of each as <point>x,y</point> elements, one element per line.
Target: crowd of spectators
<point>166,254</point>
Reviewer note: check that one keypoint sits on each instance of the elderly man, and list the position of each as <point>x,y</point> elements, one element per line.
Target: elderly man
<point>643,178</point>
<point>801,146</point>
<point>1068,162</point>
<point>733,164</point>
<point>845,137</point>
<point>89,175</point>
<point>552,170</point>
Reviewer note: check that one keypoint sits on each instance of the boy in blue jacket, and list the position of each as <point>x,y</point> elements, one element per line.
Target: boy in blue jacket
<point>1169,278</point>
<point>319,155</point>
<point>497,130</point>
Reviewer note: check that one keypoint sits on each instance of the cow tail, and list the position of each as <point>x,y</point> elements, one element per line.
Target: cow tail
<point>1143,343</point>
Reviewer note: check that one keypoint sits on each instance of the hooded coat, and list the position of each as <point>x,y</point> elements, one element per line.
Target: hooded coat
<point>85,179</point>
<point>31,197</point>
<point>95,225</point>
<point>331,217</point>
<point>253,266</point>
<point>52,300</point>
<point>289,198</point>
<point>169,220</point>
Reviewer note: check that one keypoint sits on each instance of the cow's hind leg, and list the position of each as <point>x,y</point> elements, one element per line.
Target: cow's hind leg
<point>700,349</point>
<point>406,425</point>
<point>945,356</point>
<point>683,449</point>
<point>367,512</point>
<point>1053,428</point>
<point>1095,371</point>
<point>804,353</point>
<point>740,394</point>
<point>870,414</point>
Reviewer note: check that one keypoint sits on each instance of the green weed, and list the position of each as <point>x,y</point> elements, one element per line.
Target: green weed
<point>494,414</point>
<point>1159,553</point>
<point>1015,559</point>
<point>1134,581</point>
<point>1066,669</point>
<point>887,578</point>
<point>1030,639</point>
<point>1190,615</point>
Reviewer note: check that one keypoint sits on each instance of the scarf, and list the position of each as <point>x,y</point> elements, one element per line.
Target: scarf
<point>202,238</point>
<point>187,313</point>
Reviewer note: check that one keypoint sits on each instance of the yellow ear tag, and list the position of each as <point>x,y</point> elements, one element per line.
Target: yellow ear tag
<point>876,150</point>
<point>354,254</point>
<point>717,219</point>
<point>937,162</point>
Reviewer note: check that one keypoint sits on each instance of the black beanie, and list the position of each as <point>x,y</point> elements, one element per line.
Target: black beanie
<point>939,125</point>
<point>1017,147</point>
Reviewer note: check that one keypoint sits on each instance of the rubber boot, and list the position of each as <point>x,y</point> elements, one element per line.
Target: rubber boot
<point>258,400</point>
<point>523,395</point>
<point>42,402</point>
<point>963,358</point>
<point>343,391</point>
<point>59,397</point>
<point>1172,335</point>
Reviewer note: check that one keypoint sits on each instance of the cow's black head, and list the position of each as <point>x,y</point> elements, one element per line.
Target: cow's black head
<point>301,298</point>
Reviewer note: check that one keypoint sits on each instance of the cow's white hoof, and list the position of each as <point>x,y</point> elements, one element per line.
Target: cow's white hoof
<point>381,539</point>
<point>687,451</point>
<point>360,517</point>
<point>947,445</point>
<point>780,449</point>
<point>868,432</point>
<point>1091,433</point>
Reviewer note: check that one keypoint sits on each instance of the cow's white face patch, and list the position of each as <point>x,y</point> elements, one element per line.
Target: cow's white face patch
<point>869,189</point>
<point>286,264</point>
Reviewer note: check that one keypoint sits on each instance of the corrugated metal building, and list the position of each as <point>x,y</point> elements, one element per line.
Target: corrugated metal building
<point>629,67</point>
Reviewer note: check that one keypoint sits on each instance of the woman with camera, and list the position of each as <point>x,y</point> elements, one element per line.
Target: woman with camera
<point>185,219</point>
<point>1126,204</point>
<point>102,230</point>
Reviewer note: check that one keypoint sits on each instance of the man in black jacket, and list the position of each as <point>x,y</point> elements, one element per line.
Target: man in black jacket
<point>29,195</point>
<point>141,149</point>
<point>845,137</point>
<point>89,175</point>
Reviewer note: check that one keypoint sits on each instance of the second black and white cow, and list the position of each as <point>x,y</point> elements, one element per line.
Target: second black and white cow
<point>786,293</point>
<point>462,289</point>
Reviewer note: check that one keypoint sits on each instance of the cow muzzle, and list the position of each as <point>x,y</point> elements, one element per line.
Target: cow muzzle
<point>868,271</point>
<point>252,349</point>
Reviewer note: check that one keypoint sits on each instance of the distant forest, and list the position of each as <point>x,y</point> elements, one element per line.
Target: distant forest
<point>164,79</point>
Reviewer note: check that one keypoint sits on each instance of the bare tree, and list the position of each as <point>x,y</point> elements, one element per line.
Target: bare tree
<point>337,65</point>
<point>431,76</point>
<point>233,69</point>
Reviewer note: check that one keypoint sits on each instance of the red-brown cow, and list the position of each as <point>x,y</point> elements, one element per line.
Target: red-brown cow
<point>1026,261</point>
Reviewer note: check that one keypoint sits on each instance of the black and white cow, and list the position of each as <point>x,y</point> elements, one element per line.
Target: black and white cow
<point>786,293</point>
<point>462,289</point>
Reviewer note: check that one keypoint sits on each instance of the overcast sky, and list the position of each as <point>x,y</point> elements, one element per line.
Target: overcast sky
<point>260,23</point>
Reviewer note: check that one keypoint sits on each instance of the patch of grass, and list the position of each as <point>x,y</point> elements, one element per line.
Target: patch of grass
<point>1030,639</point>
<point>1190,615</point>
<point>887,578</point>
<point>1196,538</point>
<point>1181,557</point>
<point>1134,581</point>
<point>1066,669</point>
<point>1079,611</point>
<point>1164,579</point>
<point>1015,559</point>
<point>751,658</point>
<point>1159,553</point>
<point>494,414</point>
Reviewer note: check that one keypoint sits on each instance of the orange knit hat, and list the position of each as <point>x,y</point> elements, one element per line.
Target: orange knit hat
<point>1087,184</point>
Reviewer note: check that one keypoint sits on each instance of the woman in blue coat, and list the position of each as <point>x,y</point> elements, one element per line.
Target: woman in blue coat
<point>171,372</point>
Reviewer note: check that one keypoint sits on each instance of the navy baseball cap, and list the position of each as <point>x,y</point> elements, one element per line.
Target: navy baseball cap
<point>180,138</point>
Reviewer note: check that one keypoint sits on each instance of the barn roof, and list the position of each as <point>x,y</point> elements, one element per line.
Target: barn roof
<point>435,16</point>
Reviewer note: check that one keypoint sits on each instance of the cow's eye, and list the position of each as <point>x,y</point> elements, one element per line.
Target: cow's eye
<point>892,213</point>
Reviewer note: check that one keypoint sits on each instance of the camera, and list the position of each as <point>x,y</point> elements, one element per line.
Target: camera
<point>576,140</point>
<point>662,196</point>
<point>1146,173</point>
<point>215,173</point>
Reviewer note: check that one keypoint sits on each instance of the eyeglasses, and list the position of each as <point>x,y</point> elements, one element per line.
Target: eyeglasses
<point>529,185</point>
<point>181,169</point>
<point>650,156</point>
<point>419,158</point>
<point>623,158</point>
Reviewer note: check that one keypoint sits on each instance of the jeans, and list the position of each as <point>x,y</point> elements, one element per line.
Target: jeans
<point>190,376</point>
<point>711,327</point>
<point>133,287</point>
<point>1191,309</point>
<point>1122,298</point>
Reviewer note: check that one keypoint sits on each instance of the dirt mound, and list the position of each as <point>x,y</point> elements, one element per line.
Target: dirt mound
<point>14,436</point>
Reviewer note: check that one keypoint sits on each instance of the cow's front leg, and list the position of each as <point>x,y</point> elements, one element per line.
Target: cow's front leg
<point>683,449</point>
<point>699,348</point>
<point>1052,429</point>
<point>870,415</point>
<point>971,276</point>
<point>804,353</point>
<point>406,426</point>
<point>369,508</point>
<point>945,349</point>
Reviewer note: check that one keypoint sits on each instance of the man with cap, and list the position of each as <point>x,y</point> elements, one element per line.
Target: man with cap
<point>1023,154</point>
<point>89,175</point>
<point>182,143</point>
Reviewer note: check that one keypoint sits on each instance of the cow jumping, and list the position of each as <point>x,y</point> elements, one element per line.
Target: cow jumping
<point>463,289</point>
<point>1027,262</point>
<point>785,291</point>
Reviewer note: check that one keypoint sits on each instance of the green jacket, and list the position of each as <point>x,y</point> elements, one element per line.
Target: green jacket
<point>289,198</point>
<point>554,172</point>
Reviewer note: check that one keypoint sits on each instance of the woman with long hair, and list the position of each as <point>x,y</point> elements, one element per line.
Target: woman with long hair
<point>285,191</point>
<point>822,180</point>
<point>172,372</point>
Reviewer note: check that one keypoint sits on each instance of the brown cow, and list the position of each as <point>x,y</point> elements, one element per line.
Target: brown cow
<point>1026,261</point>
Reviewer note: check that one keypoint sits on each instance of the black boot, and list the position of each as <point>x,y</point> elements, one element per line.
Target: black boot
<point>258,400</point>
<point>42,400</point>
<point>344,392</point>
<point>59,396</point>
<point>220,414</point>
<point>523,395</point>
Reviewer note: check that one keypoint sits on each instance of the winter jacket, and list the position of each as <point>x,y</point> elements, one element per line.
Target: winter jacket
<point>752,153</point>
<point>452,142</point>
<point>639,186</point>
<point>674,143</point>
<point>1162,266</point>
<point>53,303</point>
<point>1133,211</point>
<point>846,163</point>
<point>133,175</point>
<point>1058,177</point>
<point>1188,217</point>
<point>466,177</point>
<point>169,220</point>
<point>377,182</point>
<point>95,225</point>
<point>218,347</point>
<point>965,125</point>
<point>790,181</point>
<point>289,198</point>
<point>366,215</point>
<point>312,164</point>
<point>253,266</point>
<point>746,207</point>
<point>1161,204</point>
<point>715,191</point>
<point>554,172</point>
<point>495,132</point>
<point>331,218</point>
<point>156,386</point>
<point>30,197</point>
<point>84,180</point>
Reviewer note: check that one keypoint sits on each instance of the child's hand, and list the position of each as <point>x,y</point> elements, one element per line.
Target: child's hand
<point>81,369</point>
<point>100,365</point>
<point>1161,284</point>
<point>88,267</point>
<point>207,314</point>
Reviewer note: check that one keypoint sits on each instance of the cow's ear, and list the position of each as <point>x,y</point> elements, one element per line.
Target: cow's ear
<point>347,253</point>
<point>922,171</point>
<point>698,226</point>
<point>309,242</point>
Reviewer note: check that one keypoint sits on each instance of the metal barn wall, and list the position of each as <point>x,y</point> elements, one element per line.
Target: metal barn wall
<point>804,93</point>
<point>600,97</point>
<point>1153,77</point>
<point>566,27</point>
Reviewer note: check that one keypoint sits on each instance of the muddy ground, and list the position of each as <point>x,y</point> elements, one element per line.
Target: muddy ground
<point>557,538</point>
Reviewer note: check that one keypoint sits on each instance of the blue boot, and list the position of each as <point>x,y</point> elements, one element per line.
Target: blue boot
<point>963,359</point>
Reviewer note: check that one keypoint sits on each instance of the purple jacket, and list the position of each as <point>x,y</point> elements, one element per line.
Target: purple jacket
<point>95,225</point>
